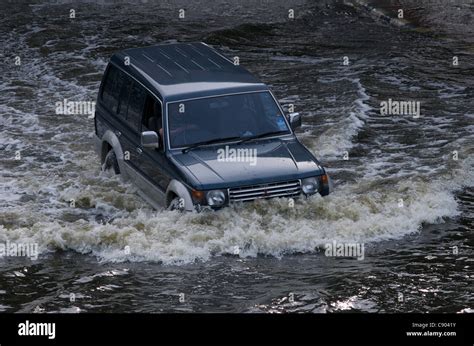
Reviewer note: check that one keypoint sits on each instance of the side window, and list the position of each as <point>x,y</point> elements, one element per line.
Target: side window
<point>124,98</point>
<point>135,106</point>
<point>152,114</point>
<point>111,89</point>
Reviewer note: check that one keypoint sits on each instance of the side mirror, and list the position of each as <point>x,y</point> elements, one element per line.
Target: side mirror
<point>150,139</point>
<point>295,120</point>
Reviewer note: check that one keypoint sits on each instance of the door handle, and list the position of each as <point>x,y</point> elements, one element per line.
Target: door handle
<point>139,150</point>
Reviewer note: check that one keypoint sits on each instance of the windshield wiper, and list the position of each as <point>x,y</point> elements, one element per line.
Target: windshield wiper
<point>242,139</point>
<point>265,134</point>
<point>211,141</point>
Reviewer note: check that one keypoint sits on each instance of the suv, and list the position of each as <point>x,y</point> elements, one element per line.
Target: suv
<point>191,129</point>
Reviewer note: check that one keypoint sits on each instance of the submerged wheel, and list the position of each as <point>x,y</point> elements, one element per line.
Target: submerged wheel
<point>324,191</point>
<point>176,203</point>
<point>111,162</point>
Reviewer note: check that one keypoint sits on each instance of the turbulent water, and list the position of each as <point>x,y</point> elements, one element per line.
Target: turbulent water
<point>403,185</point>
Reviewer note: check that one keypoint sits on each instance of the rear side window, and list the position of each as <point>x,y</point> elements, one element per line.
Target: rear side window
<point>124,95</point>
<point>135,106</point>
<point>111,89</point>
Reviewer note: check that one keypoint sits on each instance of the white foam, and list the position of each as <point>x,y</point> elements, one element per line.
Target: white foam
<point>268,227</point>
<point>338,138</point>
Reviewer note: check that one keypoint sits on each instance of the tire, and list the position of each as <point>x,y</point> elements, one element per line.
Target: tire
<point>111,162</point>
<point>324,191</point>
<point>176,204</point>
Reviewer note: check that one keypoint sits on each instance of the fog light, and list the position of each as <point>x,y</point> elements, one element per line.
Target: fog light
<point>310,186</point>
<point>215,198</point>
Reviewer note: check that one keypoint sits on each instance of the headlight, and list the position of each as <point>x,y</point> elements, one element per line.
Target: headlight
<point>310,186</point>
<point>215,198</point>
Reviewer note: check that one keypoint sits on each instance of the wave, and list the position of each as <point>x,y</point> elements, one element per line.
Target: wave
<point>358,213</point>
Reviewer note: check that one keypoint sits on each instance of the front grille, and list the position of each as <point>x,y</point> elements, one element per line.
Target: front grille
<point>272,190</point>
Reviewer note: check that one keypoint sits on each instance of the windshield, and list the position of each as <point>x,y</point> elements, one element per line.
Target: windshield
<point>221,117</point>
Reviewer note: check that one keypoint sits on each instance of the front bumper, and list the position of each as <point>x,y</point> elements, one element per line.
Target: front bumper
<point>283,189</point>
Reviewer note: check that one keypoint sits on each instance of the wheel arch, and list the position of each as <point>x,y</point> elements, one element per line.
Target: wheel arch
<point>177,188</point>
<point>111,142</point>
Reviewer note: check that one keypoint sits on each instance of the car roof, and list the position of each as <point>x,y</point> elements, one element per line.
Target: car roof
<point>179,71</point>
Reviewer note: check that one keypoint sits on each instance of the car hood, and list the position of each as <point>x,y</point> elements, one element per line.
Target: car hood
<point>256,162</point>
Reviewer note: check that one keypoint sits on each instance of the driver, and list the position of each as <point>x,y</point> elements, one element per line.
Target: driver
<point>155,120</point>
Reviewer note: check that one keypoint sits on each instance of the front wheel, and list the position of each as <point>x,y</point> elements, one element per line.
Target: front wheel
<point>111,162</point>
<point>177,203</point>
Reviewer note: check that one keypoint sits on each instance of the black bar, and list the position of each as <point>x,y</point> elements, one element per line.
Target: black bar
<point>291,329</point>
